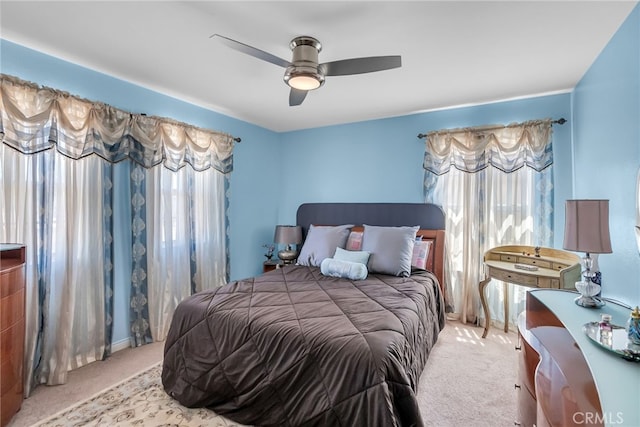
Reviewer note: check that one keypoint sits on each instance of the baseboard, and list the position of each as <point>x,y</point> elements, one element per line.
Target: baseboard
<point>120,345</point>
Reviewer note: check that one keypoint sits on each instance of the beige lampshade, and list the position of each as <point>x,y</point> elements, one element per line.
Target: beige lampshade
<point>586,226</point>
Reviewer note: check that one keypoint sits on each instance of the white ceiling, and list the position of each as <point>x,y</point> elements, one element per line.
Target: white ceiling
<point>453,53</point>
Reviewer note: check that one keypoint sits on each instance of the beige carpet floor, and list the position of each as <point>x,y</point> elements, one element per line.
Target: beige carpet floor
<point>467,381</point>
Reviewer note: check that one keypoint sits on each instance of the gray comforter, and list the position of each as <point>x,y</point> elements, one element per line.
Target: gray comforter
<point>293,347</point>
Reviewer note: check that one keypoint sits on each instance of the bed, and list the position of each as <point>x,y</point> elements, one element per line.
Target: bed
<point>297,347</point>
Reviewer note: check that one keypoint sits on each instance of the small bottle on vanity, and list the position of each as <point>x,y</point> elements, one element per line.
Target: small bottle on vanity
<point>606,331</point>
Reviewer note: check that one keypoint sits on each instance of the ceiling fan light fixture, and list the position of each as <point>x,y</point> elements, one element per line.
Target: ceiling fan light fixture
<point>303,73</point>
<point>303,78</point>
<point>304,82</point>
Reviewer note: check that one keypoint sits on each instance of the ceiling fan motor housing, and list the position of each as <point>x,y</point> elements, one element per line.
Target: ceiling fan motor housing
<point>305,60</point>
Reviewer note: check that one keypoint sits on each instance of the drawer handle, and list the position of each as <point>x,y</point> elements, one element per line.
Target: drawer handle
<point>518,347</point>
<point>516,386</point>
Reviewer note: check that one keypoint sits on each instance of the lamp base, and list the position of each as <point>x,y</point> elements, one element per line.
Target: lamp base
<point>287,256</point>
<point>589,302</point>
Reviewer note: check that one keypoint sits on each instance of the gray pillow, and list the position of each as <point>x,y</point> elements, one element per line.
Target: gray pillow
<point>321,243</point>
<point>391,249</point>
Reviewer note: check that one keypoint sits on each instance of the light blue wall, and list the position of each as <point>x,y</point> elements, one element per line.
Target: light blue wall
<point>381,160</point>
<point>253,201</point>
<point>606,117</point>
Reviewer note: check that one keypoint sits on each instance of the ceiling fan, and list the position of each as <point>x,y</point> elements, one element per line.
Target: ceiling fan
<point>304,73</point>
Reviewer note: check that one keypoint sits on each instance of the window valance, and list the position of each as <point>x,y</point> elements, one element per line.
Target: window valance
<point>507,148</point>
<point>35,118</point>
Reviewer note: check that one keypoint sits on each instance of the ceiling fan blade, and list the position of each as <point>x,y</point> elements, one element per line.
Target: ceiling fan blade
<point>296,96</point>
<point>369,64</point>
<point>250,50</point>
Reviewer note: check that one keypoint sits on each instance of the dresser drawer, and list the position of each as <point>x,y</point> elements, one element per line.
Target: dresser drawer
<point>508,258</point>
<point>11,371</point>
<point>12,309</point>
<point>517,278</point>
<point>12,342</point>
<point>11,280</point>
<point>534,261</point>
<point>528,360</point>
<point>558,266</point>
<point>527,409</point>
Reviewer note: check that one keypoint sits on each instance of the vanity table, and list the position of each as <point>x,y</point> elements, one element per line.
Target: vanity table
<point>564,378</point>
<point>534,267</point>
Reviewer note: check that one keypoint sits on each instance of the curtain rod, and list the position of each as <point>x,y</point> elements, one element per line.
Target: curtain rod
<point>560,121</point>
<point>235,138</point>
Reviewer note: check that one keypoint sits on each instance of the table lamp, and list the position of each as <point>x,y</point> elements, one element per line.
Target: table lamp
<point>586,229</point>
<point>288,235</point>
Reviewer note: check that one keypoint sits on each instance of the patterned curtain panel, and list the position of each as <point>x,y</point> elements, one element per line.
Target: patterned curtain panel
<point>496,187</point>
<point>139,311</point>
<point>179,243</point>
<point>107,251</point>
<point>58,199</point>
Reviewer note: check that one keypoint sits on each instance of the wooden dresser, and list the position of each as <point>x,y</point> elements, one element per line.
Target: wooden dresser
<point>12,324</point>
<point>563,378</point>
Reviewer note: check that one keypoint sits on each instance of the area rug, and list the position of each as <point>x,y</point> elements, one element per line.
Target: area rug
<point>139,400</point>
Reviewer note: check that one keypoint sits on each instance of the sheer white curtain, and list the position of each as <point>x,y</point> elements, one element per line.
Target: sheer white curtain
<point>61,225</point>
<point>209,230</point>
<point>492,196</point>
<point>186,239</point>
<point>19,207</point>
<point>74,308</point>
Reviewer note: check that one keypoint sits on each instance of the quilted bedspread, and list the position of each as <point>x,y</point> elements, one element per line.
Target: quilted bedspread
<point>293,347</point>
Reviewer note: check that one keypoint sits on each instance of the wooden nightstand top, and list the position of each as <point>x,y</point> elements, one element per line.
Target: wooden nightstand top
<point>271,264</point>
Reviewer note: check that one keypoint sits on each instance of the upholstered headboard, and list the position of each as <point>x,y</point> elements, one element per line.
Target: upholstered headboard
<point>428,216</point>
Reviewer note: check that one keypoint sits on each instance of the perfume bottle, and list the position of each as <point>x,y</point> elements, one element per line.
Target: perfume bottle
<point>633,326</point>
<point>606,331</point>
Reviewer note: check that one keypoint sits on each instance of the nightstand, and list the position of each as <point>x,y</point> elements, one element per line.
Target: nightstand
<point>271,264</point>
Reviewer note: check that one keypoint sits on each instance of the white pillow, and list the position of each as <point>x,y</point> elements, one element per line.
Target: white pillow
<point>353,256</point>
<point>391,249</point>
<point>321,243</point>
<point>344,269</point>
